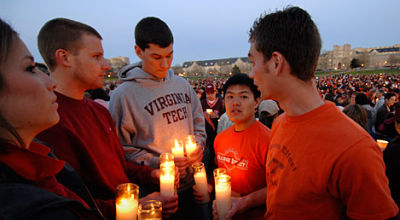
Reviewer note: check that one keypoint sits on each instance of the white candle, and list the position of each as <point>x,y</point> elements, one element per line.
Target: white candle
<point>177,150</point>
<point>167,160</point>
<point>218,171</point>
<point>168,164</point>
<point>201,183</point>
<point>126,209</point>
<point>167,181</point>
<point>209,111</point>
<point>190,146</point>
<point>223,195</point>
<point>126,201</point>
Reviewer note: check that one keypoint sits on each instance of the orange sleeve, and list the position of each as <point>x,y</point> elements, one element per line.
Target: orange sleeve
<point>359,180</point>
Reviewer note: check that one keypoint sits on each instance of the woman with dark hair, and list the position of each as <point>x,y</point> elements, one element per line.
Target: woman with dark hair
<point>357,113</point>
<point>362,99</point>
<point>33,185</point>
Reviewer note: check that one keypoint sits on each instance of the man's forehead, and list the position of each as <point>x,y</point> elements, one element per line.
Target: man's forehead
<point>238,89</point>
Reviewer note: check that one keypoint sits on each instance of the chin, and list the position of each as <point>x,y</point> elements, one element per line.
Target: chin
<point>55,119</point>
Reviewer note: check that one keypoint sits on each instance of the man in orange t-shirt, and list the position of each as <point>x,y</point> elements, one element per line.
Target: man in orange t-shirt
<point>242,148</point>
<point>320,164</point>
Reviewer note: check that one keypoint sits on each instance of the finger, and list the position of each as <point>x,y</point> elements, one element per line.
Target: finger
<point>170,205</point>
<point>210,188</point>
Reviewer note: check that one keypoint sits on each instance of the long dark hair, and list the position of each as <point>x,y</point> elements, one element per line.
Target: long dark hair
<point>7,36</point>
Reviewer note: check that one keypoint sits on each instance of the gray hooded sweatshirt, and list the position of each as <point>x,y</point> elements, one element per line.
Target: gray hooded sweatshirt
<point>150,114</point>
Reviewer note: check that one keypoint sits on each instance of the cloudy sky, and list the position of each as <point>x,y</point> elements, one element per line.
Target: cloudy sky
<point>206,29</point>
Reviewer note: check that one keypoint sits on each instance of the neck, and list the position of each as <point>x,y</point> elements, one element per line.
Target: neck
<point>211,99</point>
<point>67,85</point>
<point>25,136</point>
<point>244,125</point>
<point>300,97</point>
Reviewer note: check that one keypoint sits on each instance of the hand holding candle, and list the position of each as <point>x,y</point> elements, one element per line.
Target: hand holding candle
<point>223,195</point>
<point>180,159</point>
<point>126,202</point>
<point>177,149</point>
<point>200,178</point>
<point>193,152</point>
<point>150,210</point>
<point>169,204</point>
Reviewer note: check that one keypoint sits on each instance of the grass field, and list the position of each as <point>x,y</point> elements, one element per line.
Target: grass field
<point>365,72</point>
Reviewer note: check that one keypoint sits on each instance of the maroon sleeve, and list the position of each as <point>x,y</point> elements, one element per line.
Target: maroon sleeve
<point>140,174</point>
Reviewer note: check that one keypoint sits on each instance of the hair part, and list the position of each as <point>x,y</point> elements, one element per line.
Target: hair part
<point>152,30</point>
<point>8,37</point>
<point>242,79</point>
<point>292,33</point>
<point>61,33</point>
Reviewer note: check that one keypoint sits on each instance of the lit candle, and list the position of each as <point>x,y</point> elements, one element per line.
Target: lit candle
<point>126,202</point>
<point>167,160</point>
<point>218,171</point>
<point>167,181</point>
<point>200,178</point>
<point>382,144</point>
<point>190,146</point>
<point>223,195</point>
<point>177,150</point>
<point>150,210</point>
<point>209,111</point>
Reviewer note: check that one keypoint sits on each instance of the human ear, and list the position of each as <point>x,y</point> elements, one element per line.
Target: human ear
<point>258,100</point>
<point>278,61</point>
<point>63,57</point>
<point>139,51</point>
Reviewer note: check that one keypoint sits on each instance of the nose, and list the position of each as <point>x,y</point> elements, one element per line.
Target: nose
<point>52,84</point>
<point>106,65</point>
<point>251,74</point>
<point>236,102</point>
<point>164,62</point>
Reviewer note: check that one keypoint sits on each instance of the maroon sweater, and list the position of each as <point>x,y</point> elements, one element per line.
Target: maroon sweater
<point>85,137</point>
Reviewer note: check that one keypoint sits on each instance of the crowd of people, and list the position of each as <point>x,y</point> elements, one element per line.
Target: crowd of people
<point>280,133</point>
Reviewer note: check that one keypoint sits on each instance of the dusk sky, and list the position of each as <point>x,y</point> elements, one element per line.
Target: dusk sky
<point>206,29</point>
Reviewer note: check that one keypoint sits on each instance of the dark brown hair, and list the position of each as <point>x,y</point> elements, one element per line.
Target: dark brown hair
<point>152,30</point>
<point>292,33</point>
<point>357,113</point>
<point>61,33</point>
<point>8,37</point>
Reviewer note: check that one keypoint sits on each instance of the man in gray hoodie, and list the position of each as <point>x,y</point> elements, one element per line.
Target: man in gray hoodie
<point>153,107</point>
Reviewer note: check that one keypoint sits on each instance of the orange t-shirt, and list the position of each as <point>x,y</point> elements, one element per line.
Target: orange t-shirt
<point>322,165</point>
<point>243,154</point>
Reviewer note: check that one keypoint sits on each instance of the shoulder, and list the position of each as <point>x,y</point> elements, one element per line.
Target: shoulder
<point>124,88</point>
<point>363,153</point>
<point>224,134</point>
<point>99,110</point>
<point>177,80</point>
<point>261,127</point>
<point>97,106</point>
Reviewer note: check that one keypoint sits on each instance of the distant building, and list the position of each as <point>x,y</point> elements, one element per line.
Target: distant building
<point>377,57</point>
<point>216,67</point>
<point>116,64</point>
